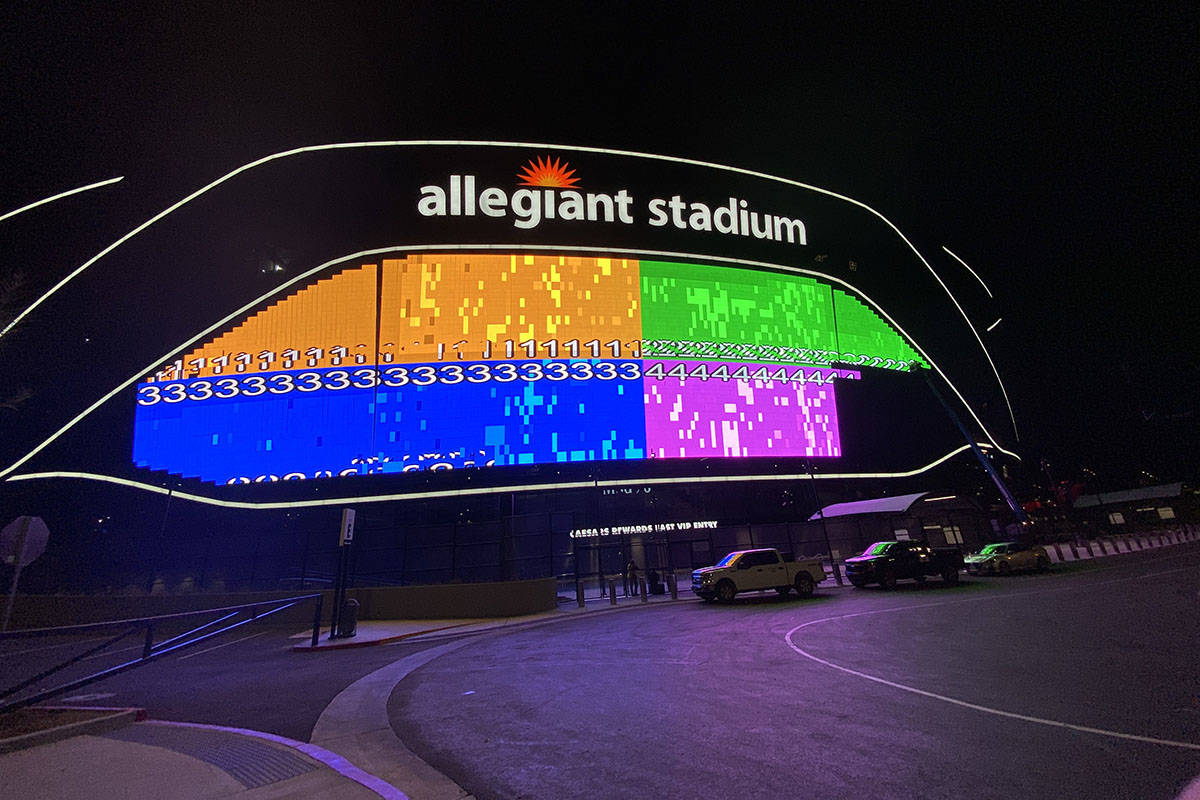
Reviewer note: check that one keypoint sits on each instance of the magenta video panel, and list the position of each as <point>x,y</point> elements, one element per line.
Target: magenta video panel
<point>689,417</point>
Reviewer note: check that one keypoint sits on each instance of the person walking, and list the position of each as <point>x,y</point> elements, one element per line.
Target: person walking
<point>631,578</point>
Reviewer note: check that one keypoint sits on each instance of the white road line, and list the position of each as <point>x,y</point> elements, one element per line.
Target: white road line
<point>974,706</point>
<point>219,646</point>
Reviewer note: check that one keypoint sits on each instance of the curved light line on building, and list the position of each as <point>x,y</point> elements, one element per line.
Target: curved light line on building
<point>381,498</point>
<point>504,247</point>
<point>993,325</point>
<point>979,339</point>
<point>59,196</point>
<point>968,266</point>
<point>534,145</point>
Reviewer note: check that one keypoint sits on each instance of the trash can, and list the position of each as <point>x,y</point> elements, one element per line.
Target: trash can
<point>655,581</point>
<point>348,619</point>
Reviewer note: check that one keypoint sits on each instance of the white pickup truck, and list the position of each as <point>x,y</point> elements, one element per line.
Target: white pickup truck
<point>756,570</point>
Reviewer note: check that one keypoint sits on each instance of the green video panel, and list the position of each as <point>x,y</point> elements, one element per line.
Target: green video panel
<point>736,314</point>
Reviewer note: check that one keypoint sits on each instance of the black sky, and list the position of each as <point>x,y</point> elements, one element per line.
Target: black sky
<point>1053,150</point>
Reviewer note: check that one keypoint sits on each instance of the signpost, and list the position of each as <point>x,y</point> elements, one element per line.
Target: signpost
<point>345,540</point>
<point>21,542</point>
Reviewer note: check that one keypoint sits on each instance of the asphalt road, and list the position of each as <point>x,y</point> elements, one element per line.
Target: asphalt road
<point>924,691</point>
<point>769,698</point>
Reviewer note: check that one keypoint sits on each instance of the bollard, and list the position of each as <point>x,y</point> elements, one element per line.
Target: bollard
<point>642,585</point>
<point>579,593</point>
<point>673,579</point>
<point>612,593</point>
<point>348,619</point>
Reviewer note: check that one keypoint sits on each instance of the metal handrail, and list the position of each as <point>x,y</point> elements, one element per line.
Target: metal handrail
<point>150,650</point>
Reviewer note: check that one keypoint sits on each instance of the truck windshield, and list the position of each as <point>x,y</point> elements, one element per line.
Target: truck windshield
<point>728,560</point>
<point>878,549</point>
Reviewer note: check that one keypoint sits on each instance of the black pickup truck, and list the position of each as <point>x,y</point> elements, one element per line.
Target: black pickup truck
<point>887,562</point>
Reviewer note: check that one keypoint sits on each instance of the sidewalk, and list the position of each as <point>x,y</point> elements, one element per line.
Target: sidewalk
<point>176,760</point>
<point>381,632</point>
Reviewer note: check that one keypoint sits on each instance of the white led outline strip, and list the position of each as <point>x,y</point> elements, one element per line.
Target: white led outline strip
<point>58,196</point>
<point>993,325</point>
<point>968,266</point>
<point>380,498</point>
<point>502,247</point>
<point>525,145</point>
<point>979,339</point>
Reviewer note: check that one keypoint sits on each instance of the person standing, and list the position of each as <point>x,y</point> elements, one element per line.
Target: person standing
<point>631,578</point>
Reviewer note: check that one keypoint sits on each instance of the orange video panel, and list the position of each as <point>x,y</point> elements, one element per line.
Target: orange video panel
<point>453,307</point>
<point>436,308</point>
<point>330,323</point>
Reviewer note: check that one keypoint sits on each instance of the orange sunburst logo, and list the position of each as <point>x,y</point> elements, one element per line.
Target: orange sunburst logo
<point>544,172</point>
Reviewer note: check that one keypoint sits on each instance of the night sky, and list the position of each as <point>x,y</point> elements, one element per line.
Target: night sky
<point>1055,153</point>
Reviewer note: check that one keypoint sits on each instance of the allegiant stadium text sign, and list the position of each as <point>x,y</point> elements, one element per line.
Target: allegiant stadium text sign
<point>547,195</point>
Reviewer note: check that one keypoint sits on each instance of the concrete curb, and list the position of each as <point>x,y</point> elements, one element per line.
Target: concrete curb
<point>345,644</point>
<point>107,719</point>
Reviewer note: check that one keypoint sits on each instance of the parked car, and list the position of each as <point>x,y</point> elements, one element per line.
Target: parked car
<point>750,570</point>
<point>1002,558</point>
<point>887,562</point>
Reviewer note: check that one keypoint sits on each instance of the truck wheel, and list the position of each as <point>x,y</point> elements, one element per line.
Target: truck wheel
<point>725,591</point>
<point>804,585</point>
<point>857,583</point>
<point>950,575</point>
<point>783,590</point>
<point>887,579</point>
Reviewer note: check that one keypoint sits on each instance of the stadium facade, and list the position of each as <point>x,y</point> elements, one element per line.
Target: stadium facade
<point>513,359</point>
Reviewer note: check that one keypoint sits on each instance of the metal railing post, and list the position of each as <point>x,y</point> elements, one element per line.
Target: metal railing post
<point>579,593</point>
<point>148,647</point>
<point>674,579</point>
<point>642,586</point>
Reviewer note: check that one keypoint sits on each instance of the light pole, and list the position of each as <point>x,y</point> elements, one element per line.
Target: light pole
<point>837,571</point>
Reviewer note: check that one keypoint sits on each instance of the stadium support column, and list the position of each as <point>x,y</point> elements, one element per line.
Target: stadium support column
<point>1018,512</point>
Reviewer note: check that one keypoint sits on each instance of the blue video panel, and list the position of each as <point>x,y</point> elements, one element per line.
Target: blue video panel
<point>317,423</point>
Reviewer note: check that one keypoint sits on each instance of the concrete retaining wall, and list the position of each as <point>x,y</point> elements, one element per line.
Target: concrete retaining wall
<point>443,601</point>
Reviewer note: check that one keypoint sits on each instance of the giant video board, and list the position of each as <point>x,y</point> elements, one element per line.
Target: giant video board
<point>463,315</point>
<point>440,361</point>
